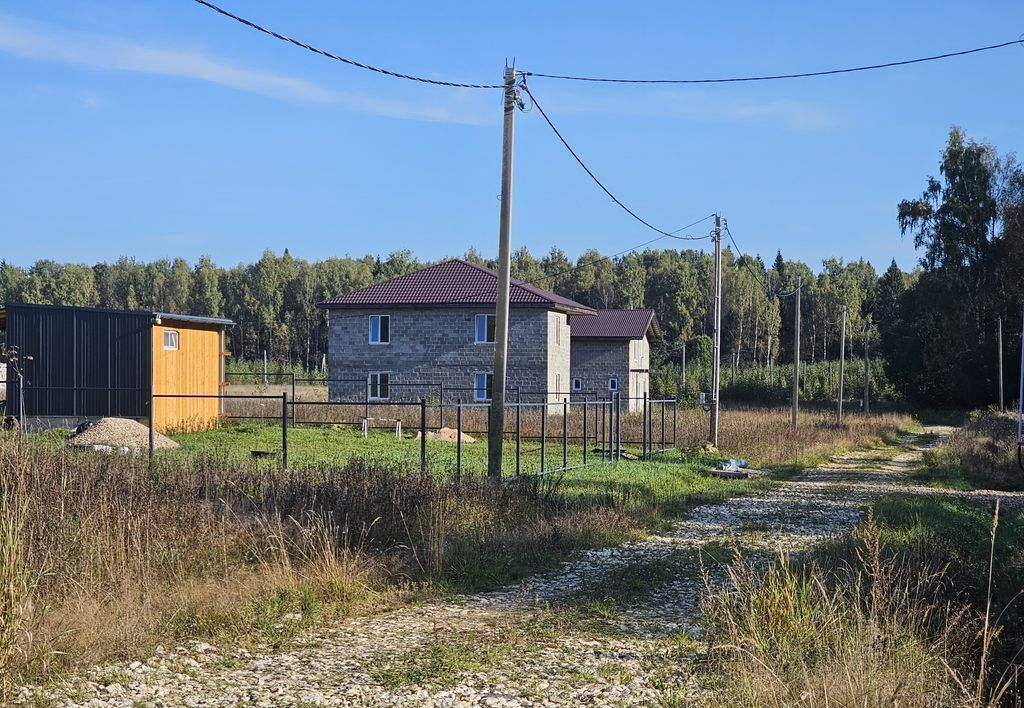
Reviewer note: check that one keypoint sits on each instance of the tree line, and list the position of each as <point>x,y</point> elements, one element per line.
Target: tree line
<point>933,327</point>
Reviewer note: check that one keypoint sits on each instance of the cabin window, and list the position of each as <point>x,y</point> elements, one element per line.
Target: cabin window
<point>577,384</point>
<point>613,384</point>
<point>482,386</point>
<point>170,340</point>
<point>378,386</point>
<point>380,329</point>
<point>485,329</point>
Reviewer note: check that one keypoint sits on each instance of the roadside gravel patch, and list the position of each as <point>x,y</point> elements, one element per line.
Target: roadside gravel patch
<point>118,433</point>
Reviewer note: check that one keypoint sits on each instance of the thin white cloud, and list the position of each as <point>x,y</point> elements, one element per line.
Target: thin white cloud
<point>32,40</point>
<point>708,106</point>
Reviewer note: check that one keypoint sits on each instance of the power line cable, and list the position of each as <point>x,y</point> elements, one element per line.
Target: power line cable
<point>598,182</point>
<point>351,62</point>
<point>776,77</point>
<point>742,258</point>
<point>629,250</point>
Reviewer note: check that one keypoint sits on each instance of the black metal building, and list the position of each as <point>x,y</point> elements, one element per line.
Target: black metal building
<point>79,362</point>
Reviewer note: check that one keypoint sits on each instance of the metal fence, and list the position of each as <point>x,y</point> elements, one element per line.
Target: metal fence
<point>565,435</point>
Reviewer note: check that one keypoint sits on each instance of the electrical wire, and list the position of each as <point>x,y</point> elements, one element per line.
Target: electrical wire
<point>745,263</point>
<point>598,182</point>
<point>351,62</point>
<point>776,77</point>
<point>628,250</point>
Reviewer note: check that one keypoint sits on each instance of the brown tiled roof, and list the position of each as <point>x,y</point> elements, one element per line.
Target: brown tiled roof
<point>454,283</point>
<point>615,324</point>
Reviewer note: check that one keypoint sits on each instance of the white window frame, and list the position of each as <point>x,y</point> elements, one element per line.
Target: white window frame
<point>558,384</point>
<point>476,388</point>
<point>577,384</point>
<point>613,384</point>
<point>558,330</point>
<point>379,319</point>
<point>176,336</point>
<point>476,328</point>
<point>369,386</point>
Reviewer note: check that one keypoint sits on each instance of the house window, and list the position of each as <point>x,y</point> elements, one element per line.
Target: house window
<point>613,384</point>
<point>558,330</point>
<point>170,340</point>
<point>577,384</point>
<point>482,389</point>
<point>380,329</point>
<point>558,384</point>
<point>485,329</point>
<point>378,386</point>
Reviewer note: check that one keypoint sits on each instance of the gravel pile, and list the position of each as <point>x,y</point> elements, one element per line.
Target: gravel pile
<point>447,435</point>
<point>120,432</point>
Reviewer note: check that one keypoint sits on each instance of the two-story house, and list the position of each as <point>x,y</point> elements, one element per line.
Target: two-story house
<point>436,326</point>
<point>611,353</point>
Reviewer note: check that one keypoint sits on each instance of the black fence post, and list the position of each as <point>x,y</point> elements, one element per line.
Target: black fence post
<point>440,404</point>
<point>543,431</point>
<point>152,423</point>
<point>604,431</point>
<point>565,433</point>
<point>293,398</point>
<point>519,436</point>
<point>284,431</point>
<point>619,426</point>
<point>586,430</point>
<point>458,441</point>
<point>423,438</point>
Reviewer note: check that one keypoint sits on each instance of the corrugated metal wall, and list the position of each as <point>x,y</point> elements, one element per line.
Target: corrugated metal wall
<point>85,363</point>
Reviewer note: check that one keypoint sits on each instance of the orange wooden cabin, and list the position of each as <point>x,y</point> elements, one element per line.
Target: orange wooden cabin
<point>189,357</point>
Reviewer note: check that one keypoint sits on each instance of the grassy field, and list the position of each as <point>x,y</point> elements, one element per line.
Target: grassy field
<point>104,559</point>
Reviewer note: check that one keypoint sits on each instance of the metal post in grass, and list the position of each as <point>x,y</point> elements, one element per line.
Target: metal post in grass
<point>284,431</point>
<point>440,404</point>
<point>543,433</point>
<point>458,441</point>
<point>423,437</point>
<point>586,430</point>
<point>565,433</point>
<point>293,399</point>
<point>618,426</point>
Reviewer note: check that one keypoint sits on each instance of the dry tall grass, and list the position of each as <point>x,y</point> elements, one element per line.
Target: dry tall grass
<point>871,629</point>
<point>983,452</point>
<point>100,560</point>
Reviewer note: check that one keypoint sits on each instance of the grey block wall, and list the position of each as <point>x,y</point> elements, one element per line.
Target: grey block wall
<point>436,345</point>
<point>594,361</point>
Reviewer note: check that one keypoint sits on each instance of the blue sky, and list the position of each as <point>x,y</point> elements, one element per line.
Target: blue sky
<point>162,129</point>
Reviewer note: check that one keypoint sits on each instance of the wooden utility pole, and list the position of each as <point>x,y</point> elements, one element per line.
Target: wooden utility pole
<point>496,417</point>
<point>716,331</point>
<point>842,367</point>
<point>1001,408</point>
<point>795,407</point>
<point>867,372</point>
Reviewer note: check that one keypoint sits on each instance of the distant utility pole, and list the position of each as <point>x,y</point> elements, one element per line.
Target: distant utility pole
<point>867,372</point>
<point>842,367</point>
<point>795,409</point>
<point>716,331</point>
<point>496,417</point>
<point>1001,408</point>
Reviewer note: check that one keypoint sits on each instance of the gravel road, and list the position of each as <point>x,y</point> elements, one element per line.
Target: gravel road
<point>524,645</point>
